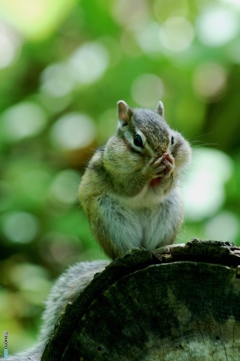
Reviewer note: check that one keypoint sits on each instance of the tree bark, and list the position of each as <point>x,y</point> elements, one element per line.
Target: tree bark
<point>180,302</point>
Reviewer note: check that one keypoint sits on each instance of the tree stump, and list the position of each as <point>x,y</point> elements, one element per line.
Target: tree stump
<point>180,302</point>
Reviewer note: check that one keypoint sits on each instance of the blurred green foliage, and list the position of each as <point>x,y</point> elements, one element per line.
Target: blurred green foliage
<point>63,66</point>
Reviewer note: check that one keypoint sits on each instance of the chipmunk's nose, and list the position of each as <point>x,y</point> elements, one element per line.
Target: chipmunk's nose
<point>168,157</point>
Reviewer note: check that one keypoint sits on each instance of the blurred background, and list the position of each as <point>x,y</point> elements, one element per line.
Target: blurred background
<point>63,66</point>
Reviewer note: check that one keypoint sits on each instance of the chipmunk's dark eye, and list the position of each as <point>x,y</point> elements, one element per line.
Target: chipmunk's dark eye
<point>172,140</point>
<point>137,140</point>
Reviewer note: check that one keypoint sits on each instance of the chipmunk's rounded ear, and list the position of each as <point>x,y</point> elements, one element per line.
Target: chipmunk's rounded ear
<point>124,112</point>
<point>160,108</point>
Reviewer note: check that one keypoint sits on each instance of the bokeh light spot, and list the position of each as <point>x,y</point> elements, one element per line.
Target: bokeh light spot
<point>57,80</point>
<point>204,190</point>
<point>23,120</point>
<point>130,14</point>
<point>147,90</point>
<point>9,46</point>
<point>35,19</point>
<point>234,3</point>
<point>224,227</point>
<point>148,38</point>
<point>65,186</point>
<point>217,25</point>
<point>176,34</point>
<point>209,80</point>
<point>31,278</point>
<point>73,131</point>
<point>20,227</point>
<point>89,62</point>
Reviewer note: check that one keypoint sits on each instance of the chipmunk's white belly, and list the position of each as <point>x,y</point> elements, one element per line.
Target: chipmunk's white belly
<point>156,228</point>
<point>152,225</point>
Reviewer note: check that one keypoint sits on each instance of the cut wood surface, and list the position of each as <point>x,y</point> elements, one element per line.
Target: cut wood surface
<point>180,302</point>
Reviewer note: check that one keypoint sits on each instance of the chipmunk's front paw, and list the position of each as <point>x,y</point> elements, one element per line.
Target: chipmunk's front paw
<point>157,165</point>
<point>162,166</point>
<point>169,163</point>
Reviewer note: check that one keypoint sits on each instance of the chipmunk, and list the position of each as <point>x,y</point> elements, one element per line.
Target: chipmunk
<point>130,189</point>
<point>130,192</point>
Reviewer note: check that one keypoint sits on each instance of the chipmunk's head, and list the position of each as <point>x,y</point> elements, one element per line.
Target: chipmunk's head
<point>146,132</point>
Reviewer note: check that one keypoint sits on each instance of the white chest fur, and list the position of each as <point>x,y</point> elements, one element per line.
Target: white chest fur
<point>143,221</point>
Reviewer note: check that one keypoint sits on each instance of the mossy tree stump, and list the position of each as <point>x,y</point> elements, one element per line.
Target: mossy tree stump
<point>180,302</point>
